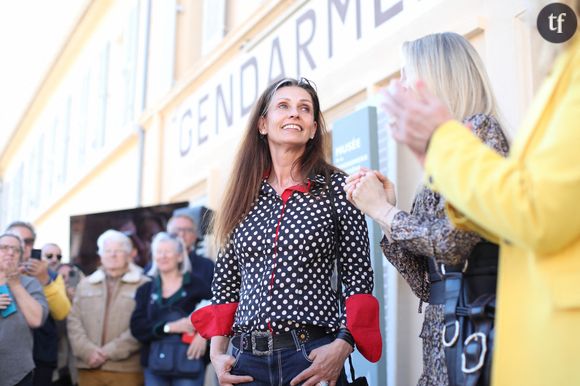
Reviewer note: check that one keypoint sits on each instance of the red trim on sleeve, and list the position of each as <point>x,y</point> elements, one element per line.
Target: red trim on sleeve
<point>362,320</point>
<point>214,320</point>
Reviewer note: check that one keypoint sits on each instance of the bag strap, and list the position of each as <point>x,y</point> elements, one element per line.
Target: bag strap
<point>339,273</point>
<point>451,333</point>
<point>466,355</point>
<point>477,346</point>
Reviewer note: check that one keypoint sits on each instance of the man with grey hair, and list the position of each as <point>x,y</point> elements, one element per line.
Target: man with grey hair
<point>184,225</point>
<point>98,325</point>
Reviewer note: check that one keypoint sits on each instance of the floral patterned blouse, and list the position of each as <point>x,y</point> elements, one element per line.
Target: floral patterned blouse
<point>280,259</point>
<point>427,233</point>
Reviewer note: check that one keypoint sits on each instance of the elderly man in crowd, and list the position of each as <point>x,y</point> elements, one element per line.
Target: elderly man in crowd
<point>52,253</point>
<point>183,224</point>
<point>22,308</point>
<point>45,337</point>
<point>98,325</point>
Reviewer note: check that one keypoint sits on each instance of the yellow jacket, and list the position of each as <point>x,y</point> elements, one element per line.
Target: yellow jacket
<point>58,302</point>
<point>530,204</point>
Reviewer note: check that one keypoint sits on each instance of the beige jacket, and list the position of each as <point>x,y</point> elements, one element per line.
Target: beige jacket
<point>88,316</point>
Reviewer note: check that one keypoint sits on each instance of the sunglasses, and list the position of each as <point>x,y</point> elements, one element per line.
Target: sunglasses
<point>28,242</point>
<point>51,255</point>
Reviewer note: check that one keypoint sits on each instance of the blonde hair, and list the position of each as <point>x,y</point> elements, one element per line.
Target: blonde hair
<point>184,266</point>
<point>453,71</point>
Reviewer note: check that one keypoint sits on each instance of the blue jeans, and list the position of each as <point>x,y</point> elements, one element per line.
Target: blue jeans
<point>279,368</point>
<point>159,380</point>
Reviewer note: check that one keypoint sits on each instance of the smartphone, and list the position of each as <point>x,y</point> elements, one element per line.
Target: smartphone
<point>36,254</point>
<point>12,307</point>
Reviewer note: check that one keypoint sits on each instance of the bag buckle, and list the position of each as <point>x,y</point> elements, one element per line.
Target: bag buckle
<point>455,335</point>
<point>465,266</point>
<point>260,335</point>
<point>479,365</point>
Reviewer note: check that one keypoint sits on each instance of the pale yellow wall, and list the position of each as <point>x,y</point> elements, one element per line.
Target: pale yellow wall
<point>239,11</point>
<point>111,186</point>
<point>188,31</point>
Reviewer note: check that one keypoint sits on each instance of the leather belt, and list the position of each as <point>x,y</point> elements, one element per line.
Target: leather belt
<point>263,343</point>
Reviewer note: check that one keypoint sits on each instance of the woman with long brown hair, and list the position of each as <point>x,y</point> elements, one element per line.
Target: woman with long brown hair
<point>283,225</point>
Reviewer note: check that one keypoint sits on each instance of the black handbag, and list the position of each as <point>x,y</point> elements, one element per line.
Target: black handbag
<point>361,381</point>
<point>168,357</point>
<point>468,334</point>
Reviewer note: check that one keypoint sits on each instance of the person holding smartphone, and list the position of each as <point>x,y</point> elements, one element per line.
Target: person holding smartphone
<point>23,307</point>
<point>45,337</point>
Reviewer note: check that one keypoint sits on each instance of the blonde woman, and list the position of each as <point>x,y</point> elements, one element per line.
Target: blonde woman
<point>162,314</point>
<point>419,242</point>
<point>528,203</point>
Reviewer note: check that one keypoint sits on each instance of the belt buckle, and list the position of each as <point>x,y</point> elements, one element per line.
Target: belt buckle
<point>262,334</point>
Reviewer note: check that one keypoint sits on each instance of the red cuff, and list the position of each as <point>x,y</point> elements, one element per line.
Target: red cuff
<point>362,320</point>
<point>214,320</point>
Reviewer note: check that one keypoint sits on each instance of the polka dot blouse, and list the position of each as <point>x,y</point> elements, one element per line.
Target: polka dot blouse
<point>279,261</point>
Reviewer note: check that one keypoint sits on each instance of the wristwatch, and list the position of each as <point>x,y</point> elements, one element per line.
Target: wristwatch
<point>166,328</point>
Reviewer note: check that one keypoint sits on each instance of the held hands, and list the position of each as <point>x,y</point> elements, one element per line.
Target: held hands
<point>371,192</point>
<point>9,273</point>
<point>415,116</point>
<point>327,363</point>
<point>222,364</point>
<point>97,358</point>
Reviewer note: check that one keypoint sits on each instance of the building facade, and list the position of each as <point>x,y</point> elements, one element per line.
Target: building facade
<point>147,100</point>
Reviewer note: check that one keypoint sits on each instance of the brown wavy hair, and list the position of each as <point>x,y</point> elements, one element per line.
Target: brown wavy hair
<point>253,160</point>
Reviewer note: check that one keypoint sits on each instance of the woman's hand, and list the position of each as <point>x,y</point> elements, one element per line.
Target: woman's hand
<point>354,179</point>
<point>327,364</point>
<point>373,196</point>
<point>222,364</point>
<point>197,347</point>
<point>388,187</point>
<point>415,116</point>
<point>181,326</point>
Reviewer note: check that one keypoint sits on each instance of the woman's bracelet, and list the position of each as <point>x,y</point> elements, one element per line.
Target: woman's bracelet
<point>345,335</point>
